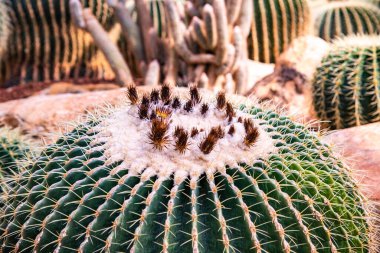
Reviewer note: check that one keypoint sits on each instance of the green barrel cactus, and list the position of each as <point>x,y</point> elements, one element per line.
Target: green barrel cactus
<point>174,172</point>
<point>13,150</point>
<point>346,86</point>
<point>276,23</point>
<point>339,19</point>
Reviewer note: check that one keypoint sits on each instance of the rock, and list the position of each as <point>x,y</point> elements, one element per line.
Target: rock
<point>289,86</point>
<point>257,71</point>
<point>41,115</point>
<point>360,146</point>
<point>31,89</point>
<point>304,55</point>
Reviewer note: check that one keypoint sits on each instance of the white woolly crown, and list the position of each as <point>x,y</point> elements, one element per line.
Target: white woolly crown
<point>160,134</point>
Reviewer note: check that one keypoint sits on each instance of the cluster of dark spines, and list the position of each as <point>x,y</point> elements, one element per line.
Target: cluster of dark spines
<point>251,133</point>
<point>158,106</point>
<point>204,108</point>
<point>176,104</point>
<point>166,94</point>
<point>194,132</point>
<point>221,100</point>
<point>181,137</point>
<point>158,134</point>
<point>132,94</point>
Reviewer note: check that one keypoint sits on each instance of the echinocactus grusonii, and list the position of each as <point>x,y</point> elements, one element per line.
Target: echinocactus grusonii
<point>171,171</point>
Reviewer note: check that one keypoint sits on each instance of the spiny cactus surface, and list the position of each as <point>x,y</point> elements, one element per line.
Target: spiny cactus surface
<point>346,87</point>
<point>276,23</point>
<point>45,46</point>
<point>167,174</point>
<point>338,19</point>
<point>13,149</point>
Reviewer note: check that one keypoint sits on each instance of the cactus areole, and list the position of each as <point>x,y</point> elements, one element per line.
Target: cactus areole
<point>169,172</point>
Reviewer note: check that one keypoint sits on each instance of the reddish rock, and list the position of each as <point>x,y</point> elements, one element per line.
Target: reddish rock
<point>361,148</point>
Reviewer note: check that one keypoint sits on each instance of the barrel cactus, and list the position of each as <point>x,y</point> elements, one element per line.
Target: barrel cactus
<point>14,149</point>
<point>275,24</point>
<point>338,19</point>
<point>346,86</point>
<point>45,46</point>
<point>162,173</point>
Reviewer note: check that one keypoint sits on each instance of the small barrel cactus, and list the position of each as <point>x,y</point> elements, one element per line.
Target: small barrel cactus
<point>13,150</point>
<point>338,19</point>
<point>276,23</point>
<point>166,174</point>
<point>346,87</point>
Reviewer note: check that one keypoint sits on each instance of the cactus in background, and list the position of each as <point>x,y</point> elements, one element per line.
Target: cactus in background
<point>375,2</point>
<point>166,174</point>
<point>45,46</point>
<point>275,24</point>
<point>203,42</point>
<point>346,87</point>
<point>338,19</point>
<point>14,149</point>
<point>4,27</point>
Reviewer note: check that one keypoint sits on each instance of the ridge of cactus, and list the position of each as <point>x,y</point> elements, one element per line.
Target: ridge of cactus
<point>276,23</point>
<point>343,18</point>
<point>182,171</point>
<point>346,86</point>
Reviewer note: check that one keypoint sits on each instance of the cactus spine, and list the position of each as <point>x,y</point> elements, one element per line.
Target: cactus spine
<point>275,24</point>
<point>346,87</point>
<point>151,176</point>
<point>338,19</point>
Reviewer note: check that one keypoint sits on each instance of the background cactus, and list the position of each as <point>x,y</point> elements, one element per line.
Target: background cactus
<point>202,42</point>
<point>375,2</point>
<point>133,179</point>
<point>275,24</point>
<point>45,46</point>
<point>14,149</point>
<point>346,87</point>
<point>337,19</point>
<point>4,27</point>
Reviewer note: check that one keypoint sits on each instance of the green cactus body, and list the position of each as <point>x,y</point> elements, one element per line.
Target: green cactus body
<point>338,19</point>
<point>46,47</point>
<point>13,150</point>
<point>127,182</point>
<point>275,25</point>
<point>346,87</point>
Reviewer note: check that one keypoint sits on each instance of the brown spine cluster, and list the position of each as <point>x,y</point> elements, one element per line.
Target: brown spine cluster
<point>158,135</point>
<point>132,94</point>
<point>221,100</point>
<point>252,133</point>
<point>182,140</point>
